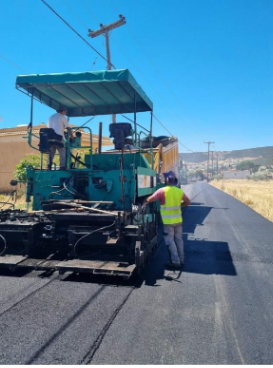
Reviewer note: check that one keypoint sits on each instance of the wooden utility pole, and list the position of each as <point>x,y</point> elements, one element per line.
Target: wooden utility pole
<point>208,143</point>
<point>105,31</point>
<point>212,163</point>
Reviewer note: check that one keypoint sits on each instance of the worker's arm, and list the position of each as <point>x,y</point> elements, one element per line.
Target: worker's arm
<point>185,201</point>
<point>150,199</point>
<point>71,134</point>
<point>159,194</point>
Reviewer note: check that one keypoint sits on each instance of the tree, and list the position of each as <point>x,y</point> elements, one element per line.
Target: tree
<point>247,165</point>
<point>28,160</point>
<point>191,175</point>
<point>200,174</point>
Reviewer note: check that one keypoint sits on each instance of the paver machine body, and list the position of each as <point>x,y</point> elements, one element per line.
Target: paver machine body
<point>90,217</point>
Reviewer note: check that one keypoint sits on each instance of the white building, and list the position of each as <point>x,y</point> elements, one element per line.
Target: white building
<point>236,174</point>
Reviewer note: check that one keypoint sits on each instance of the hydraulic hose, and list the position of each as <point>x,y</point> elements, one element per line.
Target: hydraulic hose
<point>92,232</point>
<point>5,244</point>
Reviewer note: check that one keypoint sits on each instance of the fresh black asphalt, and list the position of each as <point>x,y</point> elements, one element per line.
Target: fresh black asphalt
<point>217,310</point>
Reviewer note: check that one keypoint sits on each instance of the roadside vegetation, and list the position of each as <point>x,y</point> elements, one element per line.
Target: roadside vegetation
<point>254,192</point>
<point>16,199</point>
<point>17,196</point>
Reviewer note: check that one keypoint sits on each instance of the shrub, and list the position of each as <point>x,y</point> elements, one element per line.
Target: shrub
<point>258,176</point>
<point>218,177</point>
<point>28,160</point>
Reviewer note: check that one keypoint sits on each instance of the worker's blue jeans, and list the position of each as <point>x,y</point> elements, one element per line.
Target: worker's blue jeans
<point>173,237</point>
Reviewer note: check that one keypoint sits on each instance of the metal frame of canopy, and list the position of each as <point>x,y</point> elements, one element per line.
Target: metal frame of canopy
<point>87,93</point>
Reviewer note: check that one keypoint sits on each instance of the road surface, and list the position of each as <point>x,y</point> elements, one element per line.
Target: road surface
<point>218,310</point>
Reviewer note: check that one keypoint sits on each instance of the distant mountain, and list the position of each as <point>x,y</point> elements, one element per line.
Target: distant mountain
<point>260,155</point>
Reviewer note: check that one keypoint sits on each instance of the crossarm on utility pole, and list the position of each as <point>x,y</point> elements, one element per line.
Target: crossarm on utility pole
<point>105,31</point>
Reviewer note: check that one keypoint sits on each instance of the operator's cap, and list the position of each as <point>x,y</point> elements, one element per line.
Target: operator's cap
<point>170,178</point>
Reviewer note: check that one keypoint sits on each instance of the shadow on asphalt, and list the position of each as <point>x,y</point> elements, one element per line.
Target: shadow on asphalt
<point>201,256</point>
<point>194,216</point>
<point>16,273</point>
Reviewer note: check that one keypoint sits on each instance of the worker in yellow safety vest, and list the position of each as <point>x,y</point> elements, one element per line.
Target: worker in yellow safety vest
<point>171,200</point>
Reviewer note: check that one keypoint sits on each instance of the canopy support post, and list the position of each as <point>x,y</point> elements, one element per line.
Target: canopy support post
<point>31,112</point>
<point>135,124</point>
<point>151,140</point>
<point>29,134</point>
<point>151,124</point>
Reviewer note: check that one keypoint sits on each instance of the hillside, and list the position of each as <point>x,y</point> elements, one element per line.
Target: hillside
<point>260,155</point>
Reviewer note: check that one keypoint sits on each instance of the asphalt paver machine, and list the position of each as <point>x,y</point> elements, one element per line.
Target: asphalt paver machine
<point>90,217</point>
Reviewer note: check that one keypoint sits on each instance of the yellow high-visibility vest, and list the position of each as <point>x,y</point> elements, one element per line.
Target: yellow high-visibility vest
<point>171,210</point>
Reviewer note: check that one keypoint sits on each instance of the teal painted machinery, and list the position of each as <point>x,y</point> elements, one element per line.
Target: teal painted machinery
<point>90,217</point>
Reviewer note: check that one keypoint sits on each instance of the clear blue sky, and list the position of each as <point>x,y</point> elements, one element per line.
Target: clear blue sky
<point>207,65</point>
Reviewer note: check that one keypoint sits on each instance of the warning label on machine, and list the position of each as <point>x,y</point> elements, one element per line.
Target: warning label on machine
<point>145,181</point>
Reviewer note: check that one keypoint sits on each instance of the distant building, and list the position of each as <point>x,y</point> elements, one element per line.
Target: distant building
<point>14,147</point>
<point>236,174</point>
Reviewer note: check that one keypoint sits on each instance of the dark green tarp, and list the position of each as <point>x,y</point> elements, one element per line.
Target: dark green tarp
<point>87,93</point>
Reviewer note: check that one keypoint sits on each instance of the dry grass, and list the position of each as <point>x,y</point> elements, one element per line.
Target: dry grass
<point>256,194</point>
<point>6,200</point>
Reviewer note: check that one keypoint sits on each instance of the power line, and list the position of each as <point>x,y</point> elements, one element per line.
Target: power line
<point>104,30</point>
<point>82,22</point>
<point>76,15</point>
<point>121,49</point>
<point>155,68</point>
<point>146,79</point>
<point>131,61</point>
<point>172,134</point>
<point>80,19</point>
<point>198,131</point>
<point>94,62</point>
<point>97,20</point>
<point>12,63</point>
<point>68,25</point>
<point>105,60</point>
<point>127,57</point>
<point>122,115</point>
<point>93,15</point>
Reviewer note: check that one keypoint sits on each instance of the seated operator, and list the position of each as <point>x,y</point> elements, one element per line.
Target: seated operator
<point>58,123</point>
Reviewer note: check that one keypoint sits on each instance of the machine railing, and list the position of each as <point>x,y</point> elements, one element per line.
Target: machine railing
<point>137,145</point>
<point>29,139</point>
<point>70,146</point>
